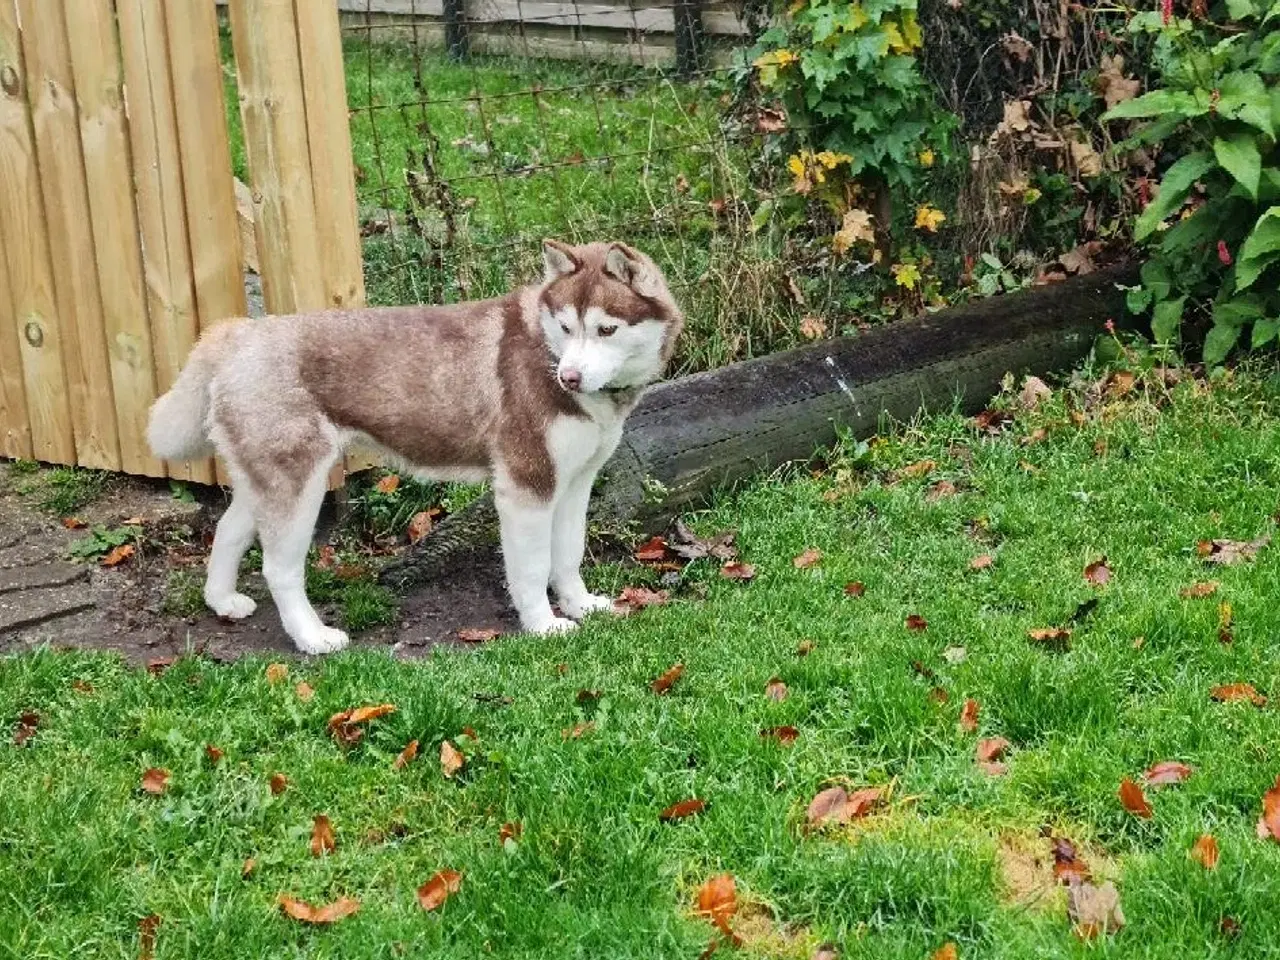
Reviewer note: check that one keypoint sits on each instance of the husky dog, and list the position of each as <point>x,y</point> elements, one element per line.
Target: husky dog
<point>529,391</point>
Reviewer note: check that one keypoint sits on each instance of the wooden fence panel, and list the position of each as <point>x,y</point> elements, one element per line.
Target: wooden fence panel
<point>162,212</point>
<point>15,434</point>
<point>54,118</point>
<point>31,312</point>
<point>95,58</point>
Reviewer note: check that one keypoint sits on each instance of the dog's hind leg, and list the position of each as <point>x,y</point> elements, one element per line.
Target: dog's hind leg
<point>233,538</point>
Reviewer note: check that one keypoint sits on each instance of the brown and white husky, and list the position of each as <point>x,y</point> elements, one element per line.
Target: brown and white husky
<point>528,391</point>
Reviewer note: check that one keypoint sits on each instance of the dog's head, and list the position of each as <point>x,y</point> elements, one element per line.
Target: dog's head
<point>607,316</point>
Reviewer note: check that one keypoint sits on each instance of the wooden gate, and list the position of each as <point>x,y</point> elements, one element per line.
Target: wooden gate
<point>118,226</point>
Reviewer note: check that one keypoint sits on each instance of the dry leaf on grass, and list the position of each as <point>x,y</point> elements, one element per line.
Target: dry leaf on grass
<point>1230,552</point>
<point>212,752</point>
<point>1054,638</point>
<point>1098,573</point>
<point>1166,772</point>
<point>776,690</point>
<point>1237,691</point>
<point>1134,800</point>
<point>388,484</point>
<point>855,588</point>
<point>25,728</point>
<point>981,562</point>
<point>718,900</point>
<point>278,783</point>
<point>509,833</point>
<point>276,672</point>
<point>478,634</point>
<point>323,839</point>
<point>1205,851</point>
<point>946,952</point>
<point>250,864</point>
<point>1199,590</point>
<point>1068,867</point>
<point>406,755</point>
<point>421,523</point>
<point>667,680</point>
<point>433,893</point>
<point>1112,85</point>
<point>155,781</point>
<point>1034,391</point>
<point>118,555</point>
<point>653,550</point>
<point>1269,822</point>
<point>147,928</point>
<point>304,691</point>
<point>969,716</point>
<point>916,622</point>
<point>451,761</point>
<point>738,571</point>
<point>73,523</point>
<point>807,558</point>
<point>991,749</point>
<point>637,598</point>
<point>784,735</point>
<point>683,809</point>
<point>575,732</point>
<point>690,546</point>
<point>1094,911</point>
<point>940,491</point>
<point>835,805</point>
<point>330,913</point>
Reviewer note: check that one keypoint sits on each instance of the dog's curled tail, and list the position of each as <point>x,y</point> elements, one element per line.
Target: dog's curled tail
<point>177,428</point>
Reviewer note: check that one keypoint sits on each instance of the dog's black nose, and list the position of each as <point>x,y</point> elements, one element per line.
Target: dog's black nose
<point>572,379</point>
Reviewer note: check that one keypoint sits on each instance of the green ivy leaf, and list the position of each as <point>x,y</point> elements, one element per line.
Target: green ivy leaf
<point>1244,97</point>
<point>1241,9</point>
<point>1260,250</point>
<point>1137,300</point>
<point>1157,279</point>
<point>1241,158</point>
<point>1264,331</point>
<point>1173,190</point>
<point>1161,103</point>
<point>1218,343</point>
<point>1167,319</point>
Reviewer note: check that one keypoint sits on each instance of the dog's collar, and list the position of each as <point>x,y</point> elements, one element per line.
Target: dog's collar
<point>619,394</point>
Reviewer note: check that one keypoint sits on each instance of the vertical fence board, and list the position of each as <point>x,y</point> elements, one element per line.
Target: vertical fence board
<point>32,314</point>
<point>66,207</point>
<point>157,166</point>
<point>264,33</point>
<point>95,60</point>
<point>15,434</point>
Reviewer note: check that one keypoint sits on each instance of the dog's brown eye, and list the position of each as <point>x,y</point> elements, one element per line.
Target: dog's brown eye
<point>608,331</point>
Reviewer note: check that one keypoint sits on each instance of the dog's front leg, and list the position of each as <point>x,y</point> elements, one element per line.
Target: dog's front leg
<point>568,543</point>
<point>526,553</point>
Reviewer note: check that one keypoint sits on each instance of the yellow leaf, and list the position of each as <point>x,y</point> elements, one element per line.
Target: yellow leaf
<point>832,160</point>
<point>857,18</point>
<point>797,6</point>
<point>893,35</point>
<point>929,218</point>
<point>912,37</point>
<point>795,165</point>
<point>775,58</point>
<point>926,158</point>
<point>906,275</point>
<point>856,226</point>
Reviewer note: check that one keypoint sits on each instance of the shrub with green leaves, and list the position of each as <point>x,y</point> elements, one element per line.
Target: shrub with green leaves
<point>1213,229</point>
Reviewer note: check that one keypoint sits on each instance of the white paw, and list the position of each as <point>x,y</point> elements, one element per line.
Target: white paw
<point>233,606</point>
<point>321,639</point>
<point>579,607</point>
<point>555,625</point>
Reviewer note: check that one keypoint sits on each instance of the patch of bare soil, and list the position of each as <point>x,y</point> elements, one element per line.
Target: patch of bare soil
<point>49,599</point>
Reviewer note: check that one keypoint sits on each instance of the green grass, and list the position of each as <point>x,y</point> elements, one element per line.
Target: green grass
<point>58,491</point>
<point>85,854</point>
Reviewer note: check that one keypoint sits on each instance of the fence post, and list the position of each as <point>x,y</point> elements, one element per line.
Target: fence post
<point>689,36</point>
<point>455,30</point>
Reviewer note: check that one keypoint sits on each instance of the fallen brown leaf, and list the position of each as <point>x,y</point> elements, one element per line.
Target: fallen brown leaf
<point>575,732</point>
<point>406,755</point>
<point>651,551</point>
<point>1237,691</point>
<point>1112,85</point>
<point>981,562</point>
<point>1094,910</point>
<point>1205,850</point>
<point>805,647</point>
<point>913,470</point>
<point>155,781</point>
<point>250,864</point>
<point>771,120</point>
<point>276,672</point>
<point>478,634</point>
<point>73,523</point>
<point>278,783</point>
<point>304,691</point>
<point>322,837</point>
<point>826,951</point>
<point>1134,800</point>
<point>1229,927</point>
<point>946,952</point>
<point>718,900</point>
<point>683,809</point>
<point>388,484</point>
<point>1166,772</point>
<point>433,893</point>
<point>1199,590</point>
<point>328,558</point>
<point>836,805</point>
<point>82,686</point>
<point>784,735</point>
<point>812,327</point>
<point>993,768</point>
<point>212,752</point>
<point>451,761</point>
<point>360,715</point>
<point>510,832</point>
<point>991,421</point>
<point>118,555</point>
<point>330,913</point>
<point>1269,822</point>
<point>1034,392</point>
<point>1098,573</point>
<point>421,524</point>
<point>147,928</point>
<point>916,622</point>
<point>1230,552</point>
<point>940,491</point>
<point>637,598</point>
<point>1055,638</point>
<point>690,546</point>
<point>158,665</point>
<point>25,728</point>
<point>969,716</point>
<point>939,695</point>
<point>855,588</point>
<point>1068,867</point>
<point>808,558</point>
<point>665,682</point>
<point>991,749</point>
<point>776,690</point>
<point>738,571</point>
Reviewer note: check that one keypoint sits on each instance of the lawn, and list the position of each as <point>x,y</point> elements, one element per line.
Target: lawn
<point>1140,474</point>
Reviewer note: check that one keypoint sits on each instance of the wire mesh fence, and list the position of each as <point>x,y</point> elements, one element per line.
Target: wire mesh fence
<point>474,139</point>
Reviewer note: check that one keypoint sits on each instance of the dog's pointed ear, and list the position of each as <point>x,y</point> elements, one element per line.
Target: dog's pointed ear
<point>558,260</point>
<point>628,266</point>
